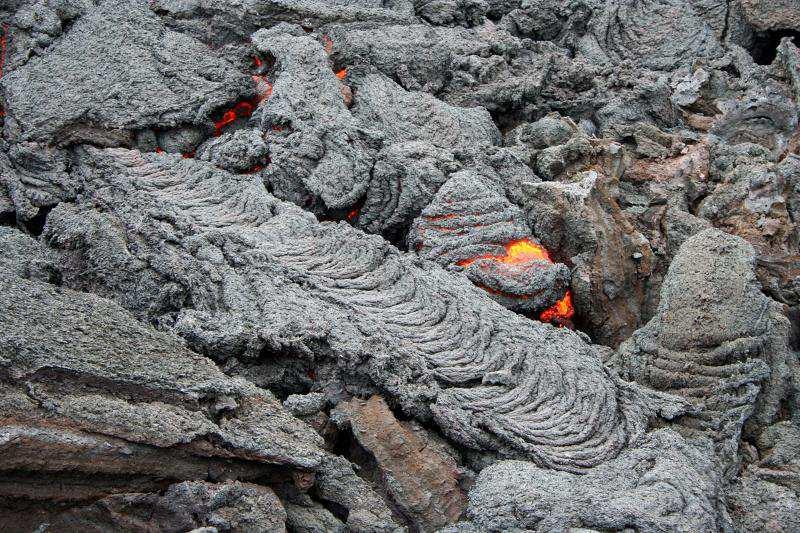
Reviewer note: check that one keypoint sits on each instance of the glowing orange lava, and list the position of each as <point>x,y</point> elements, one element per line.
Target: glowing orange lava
<point>352,215</point>
<point>561,312</point>
<point>341,74</point>
<point>240,110</point>
<point>519,251</point>
<point>523,251</point>
<point>245,108</point>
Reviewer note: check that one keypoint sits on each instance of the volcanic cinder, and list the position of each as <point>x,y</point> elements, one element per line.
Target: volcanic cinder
<point>399,265</point>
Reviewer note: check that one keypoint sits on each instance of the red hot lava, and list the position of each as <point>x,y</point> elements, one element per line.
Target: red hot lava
<point>245,108</point>
<point>523,251</point>
<point>561,312</point>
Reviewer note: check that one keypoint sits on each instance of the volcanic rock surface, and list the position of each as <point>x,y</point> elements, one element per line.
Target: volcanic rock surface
<point>399,265</point>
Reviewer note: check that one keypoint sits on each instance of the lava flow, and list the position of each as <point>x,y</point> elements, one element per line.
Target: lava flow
<point>342,74</point>
<point>519,251</point>
<point>561,312</point>
<point>523,251</point>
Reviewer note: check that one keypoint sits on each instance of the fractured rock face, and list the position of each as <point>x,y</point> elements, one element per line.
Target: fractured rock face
<point>421,480</point>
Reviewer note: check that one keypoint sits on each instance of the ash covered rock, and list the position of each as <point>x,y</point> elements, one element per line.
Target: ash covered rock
<point>717,341</point>
<point>117,71</point>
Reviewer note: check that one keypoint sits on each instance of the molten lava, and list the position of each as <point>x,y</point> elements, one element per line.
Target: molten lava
<point>524,251</point>
<point>561,312</point>
<point>240,110</point>
<point>342,74</point>
<point>352,215</point>
<point>519,251</point>
<point>245,108</point>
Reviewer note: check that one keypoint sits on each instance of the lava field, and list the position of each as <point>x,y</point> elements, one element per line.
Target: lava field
<point>450,266</point>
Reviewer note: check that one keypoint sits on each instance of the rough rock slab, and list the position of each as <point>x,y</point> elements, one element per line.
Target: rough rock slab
<point>420,480</point>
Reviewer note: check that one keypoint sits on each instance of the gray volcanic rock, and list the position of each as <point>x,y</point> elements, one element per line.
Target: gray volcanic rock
<point>243,258</point>
<point>320,149</point>
<point>230,506</point>
<point>664,484</point>
<point>656,34</point>
<point>717,341</point>
<point>118,70</point>
<point>105,405</point>
<point>341,265</point>
<point>772,15</point>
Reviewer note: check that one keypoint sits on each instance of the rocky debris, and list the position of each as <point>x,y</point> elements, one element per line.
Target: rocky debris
<point>419,479</point>
<point>297,265</point>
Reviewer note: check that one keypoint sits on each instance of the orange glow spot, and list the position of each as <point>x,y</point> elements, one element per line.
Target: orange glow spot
<point>352,215</point>
<point>240,110</point>
<point>520,251</point>
<point>277,128</point>
<point>159,150</point>
<point>187,155</point>
<point>3,45</point>
<point>327,43</point>
<point>341,74</point>
<point>561,312</point>
<point>257,62</point>
<point>244,108</point>
<point>256,168</point>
